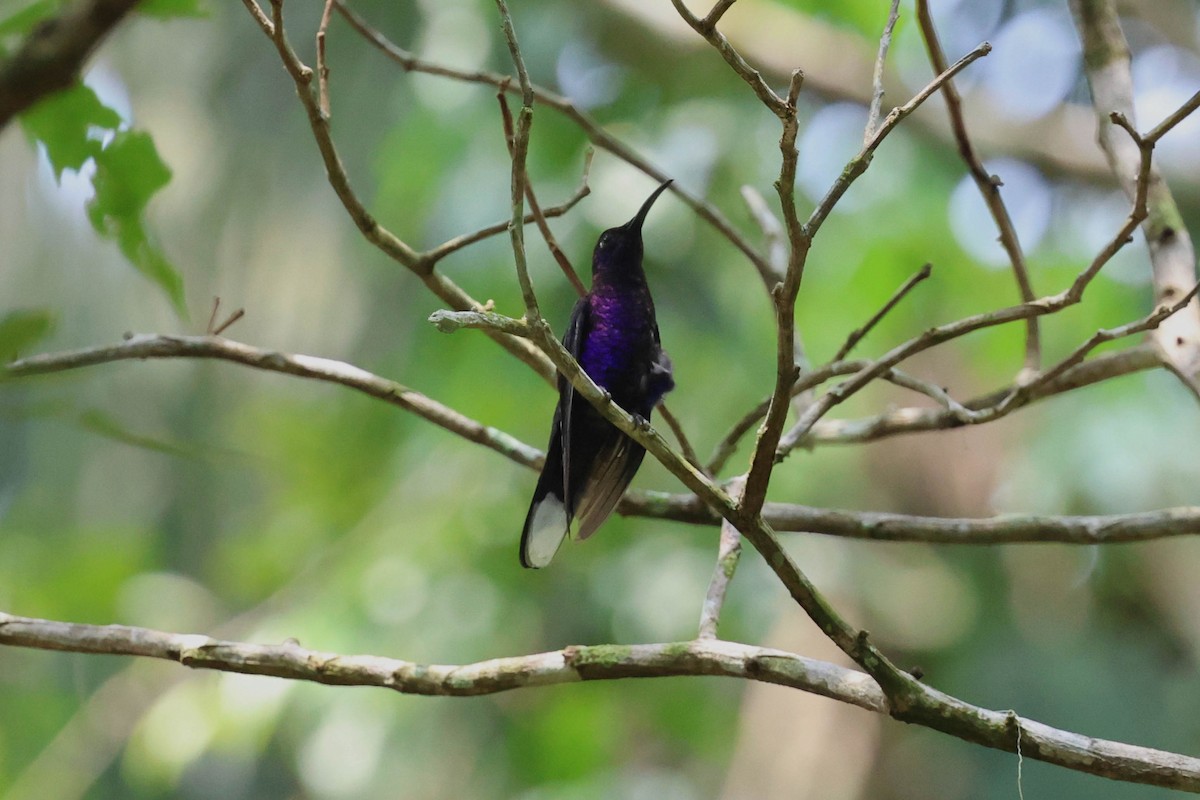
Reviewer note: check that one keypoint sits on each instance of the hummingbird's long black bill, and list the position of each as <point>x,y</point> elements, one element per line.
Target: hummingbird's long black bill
<point>635,224</point>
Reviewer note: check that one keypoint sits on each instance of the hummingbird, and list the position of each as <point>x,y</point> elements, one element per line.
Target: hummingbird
<point>613,334</point>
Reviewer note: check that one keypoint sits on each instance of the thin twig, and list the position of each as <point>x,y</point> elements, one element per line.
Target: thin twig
<point>681,437</point>
<point>322,64</point>
<point>733,58</point>
<point>729,551</point>
<point>885,42</point>
<point>375,233</point>
<point>436,254</point>
<point>535,208</point>
<point>858,333</point>
<point>520,179</point>
<point>592,129</point>
<point>942,333</point>
<point>1179,115</point>
<point>988,185</point>
<point>718,11</point>
<point>768,448</point>
<point>228,323</point>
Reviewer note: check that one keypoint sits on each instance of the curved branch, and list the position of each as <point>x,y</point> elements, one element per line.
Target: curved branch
<point>1002,730</point>
<point>322,369</point>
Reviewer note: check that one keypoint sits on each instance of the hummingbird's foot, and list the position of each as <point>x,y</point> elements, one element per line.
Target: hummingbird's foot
<point>641,423</point>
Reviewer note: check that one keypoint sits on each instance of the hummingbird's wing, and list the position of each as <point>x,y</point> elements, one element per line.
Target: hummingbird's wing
<point>577,325</point>
<point>549,518</point>
<point>611,471</point>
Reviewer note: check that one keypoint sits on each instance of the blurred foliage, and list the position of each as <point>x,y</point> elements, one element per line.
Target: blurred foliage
<point>78,132</point>
<point>204,497</point>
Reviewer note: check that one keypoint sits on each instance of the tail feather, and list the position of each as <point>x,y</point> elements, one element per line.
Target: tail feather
<point>548,521</point>
<point>545,528</point>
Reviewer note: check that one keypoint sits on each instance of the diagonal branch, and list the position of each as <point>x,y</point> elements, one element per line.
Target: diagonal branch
<point>714,657</point>
<point>989,185</point>
<point>768,447</point>
<point>595,133</point>
<point>379,236</point>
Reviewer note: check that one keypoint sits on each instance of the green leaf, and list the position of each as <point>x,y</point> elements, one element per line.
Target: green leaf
<point>102,424</point>
<point>128,172</point>
<point>22,22</point>
<point>868,17</point>
<point>64,123</point>
<point>169,9</point>
<point>21,328</point>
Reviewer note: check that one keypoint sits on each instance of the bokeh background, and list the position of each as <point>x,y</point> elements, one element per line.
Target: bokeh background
<point>205,497</point>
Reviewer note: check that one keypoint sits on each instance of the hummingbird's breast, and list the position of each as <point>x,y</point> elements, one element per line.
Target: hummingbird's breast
<point>618,348</point>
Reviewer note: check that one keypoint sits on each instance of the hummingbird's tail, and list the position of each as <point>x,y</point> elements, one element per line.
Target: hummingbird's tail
<point>547,523</point>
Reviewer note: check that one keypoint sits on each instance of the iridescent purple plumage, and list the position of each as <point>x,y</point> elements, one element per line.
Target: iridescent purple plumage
<point>613,334</point>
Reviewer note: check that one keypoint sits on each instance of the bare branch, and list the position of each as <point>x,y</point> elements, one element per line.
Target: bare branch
<point>592,129</point>
<point>322,65</point>
<point>519,149</point>
<point>749,74</point>
<point>321,369</point>
<point>436,254</point>
<point>1172,257</point>
<point>881,526</point>
<point>937,335</point>
<point>718,11</point>
<point>885,42</point>
<point>535,208</point>
<point>988,185</point>
<point>930,707</point>
<point>379,236</point>
<point>857,334</point>
<point>729,551</point>
<point>900,421</point>
<point>1179,115</point>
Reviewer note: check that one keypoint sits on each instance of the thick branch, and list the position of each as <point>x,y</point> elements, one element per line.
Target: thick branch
<point>611,662</point>
<point>1172,257</point>
<point>53,55</point>
<point>887,527</point>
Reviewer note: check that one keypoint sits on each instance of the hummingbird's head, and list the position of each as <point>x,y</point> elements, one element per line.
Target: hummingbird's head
<point>620,249</point>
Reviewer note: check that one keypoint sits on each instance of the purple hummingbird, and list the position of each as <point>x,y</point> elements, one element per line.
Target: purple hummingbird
<point>613,335</point>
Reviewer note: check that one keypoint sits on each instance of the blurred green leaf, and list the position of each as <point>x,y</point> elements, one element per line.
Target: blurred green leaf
<point>64,123</point>
<point>21,328</point>
<point>128,172</point>
<point>21,22</point>
<point>868,17</point>
<point>104,425</point>
<point>169,9</point>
